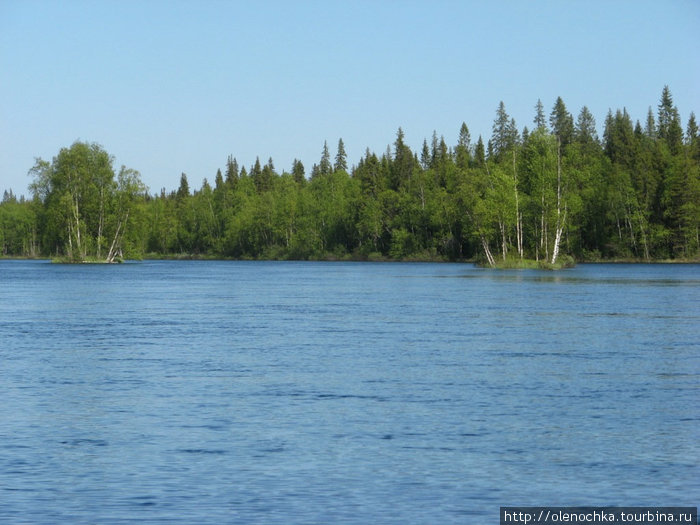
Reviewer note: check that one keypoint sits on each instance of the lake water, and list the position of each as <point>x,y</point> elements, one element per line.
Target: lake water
<point>298,392</point>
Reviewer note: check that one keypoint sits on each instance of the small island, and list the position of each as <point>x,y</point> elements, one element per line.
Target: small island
<point>525,198</point>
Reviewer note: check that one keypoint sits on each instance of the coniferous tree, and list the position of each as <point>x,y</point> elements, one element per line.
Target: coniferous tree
<point>231,172</point>
<point>691,134</point>
<point>341,162</point>
<point>650,128</point>
<point>692,138</point>
<point>539,120</point>
<point>434,149</point>
<point>669,127</point>
<point>298,172</point>
<point>183,190</point>
<point>325,166</point>
<point>505,133</point>
<point>585,132</point>
<point>562,123</point>
<point>425,158</point>
<point>402,166</point>
<point>480,152</point>
<point>462,156</point>
<point>219,180</point>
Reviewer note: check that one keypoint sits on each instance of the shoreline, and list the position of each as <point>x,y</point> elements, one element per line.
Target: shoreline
<point>507,265</point>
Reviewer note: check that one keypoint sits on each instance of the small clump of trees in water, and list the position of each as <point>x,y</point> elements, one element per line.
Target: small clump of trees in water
<point>542,196</point>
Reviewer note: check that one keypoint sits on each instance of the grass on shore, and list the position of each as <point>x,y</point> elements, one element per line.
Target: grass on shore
<point>565,261</point>
<point>87,260</point>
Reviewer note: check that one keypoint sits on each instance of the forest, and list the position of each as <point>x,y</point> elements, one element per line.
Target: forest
<point>555,192</point>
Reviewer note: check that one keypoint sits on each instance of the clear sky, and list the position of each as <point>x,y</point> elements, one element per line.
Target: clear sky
<point>176,86</point>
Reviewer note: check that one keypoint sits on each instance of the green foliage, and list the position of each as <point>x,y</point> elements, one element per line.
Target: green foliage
<point>84,209</point>
<point>556,189</point>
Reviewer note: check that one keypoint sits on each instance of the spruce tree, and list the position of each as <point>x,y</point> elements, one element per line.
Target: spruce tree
<point>505,133</point>
<point>219,180</point>
<point>325,166</point>
<point>184,189</point>
<point>539,120</point>
<point>425,158</point>
<point>479,152</point>
<point>585,132</point>
<point>462,156</point>
<point>341,162</point>
<point>298,172</point>
<point>562,123</point>
<point>669,122</point>
<point>650,128</point>
<point>692,138</point>
<point>231,171</point>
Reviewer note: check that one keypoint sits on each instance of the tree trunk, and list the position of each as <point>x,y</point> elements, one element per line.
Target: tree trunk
<point>487,252</point>
<point>114,249</point>
<point>561,219</point>
<point>518,216</point>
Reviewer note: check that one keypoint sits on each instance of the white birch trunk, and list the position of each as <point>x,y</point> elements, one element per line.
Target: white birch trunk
<point>560,219</point>
<point>518,216</point>
<point>487,251</point>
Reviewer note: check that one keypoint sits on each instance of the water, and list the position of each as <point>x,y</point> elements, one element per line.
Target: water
<point>282,393</point>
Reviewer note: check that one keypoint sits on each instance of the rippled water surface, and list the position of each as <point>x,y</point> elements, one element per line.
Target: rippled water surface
<point>283,392</point>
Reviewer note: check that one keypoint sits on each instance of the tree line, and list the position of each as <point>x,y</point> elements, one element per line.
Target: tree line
<point>554,191</point>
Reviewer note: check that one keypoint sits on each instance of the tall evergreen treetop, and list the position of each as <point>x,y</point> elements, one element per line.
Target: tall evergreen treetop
<point>402,167</point>
<point>585,132</point>
<point>480,152</point>
<point>463,146</point>
<point>539,120</point>
<point>324,166</point>
<point>425,158</point>
<point>341,162</point>
<point>692,137</point>
<point>256,169</point>
<point>231,171</point>
<point>562,122</point>
<point>184,189</point>
<point>298,171</point>
<point>219,180</point>
<point>669,122</point>
<point>505,133</point>
<point>464,136</point>
<point>691,134</point>
<point>650,128</point>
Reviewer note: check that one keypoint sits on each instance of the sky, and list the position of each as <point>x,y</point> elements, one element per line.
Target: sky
<point>171,87</point>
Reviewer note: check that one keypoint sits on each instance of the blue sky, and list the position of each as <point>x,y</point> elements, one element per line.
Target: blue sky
<point>176,86</point>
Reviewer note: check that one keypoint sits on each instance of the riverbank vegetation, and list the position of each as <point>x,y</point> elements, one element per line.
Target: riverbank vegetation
<point>541,193</point>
